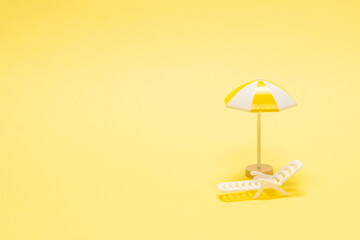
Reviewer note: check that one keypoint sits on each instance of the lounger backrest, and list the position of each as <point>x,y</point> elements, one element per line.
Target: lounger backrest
<point>286,172</point>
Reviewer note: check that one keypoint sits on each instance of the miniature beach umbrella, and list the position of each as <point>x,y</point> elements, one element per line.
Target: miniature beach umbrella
<point>259,96</point>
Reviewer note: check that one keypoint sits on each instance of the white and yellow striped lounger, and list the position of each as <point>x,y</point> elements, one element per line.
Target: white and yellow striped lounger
<point>262,181</point>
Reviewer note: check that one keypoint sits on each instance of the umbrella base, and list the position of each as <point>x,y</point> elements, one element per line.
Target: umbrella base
<point>265,168</point>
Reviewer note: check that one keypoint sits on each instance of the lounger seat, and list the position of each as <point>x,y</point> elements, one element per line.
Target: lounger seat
<point>262,181</point>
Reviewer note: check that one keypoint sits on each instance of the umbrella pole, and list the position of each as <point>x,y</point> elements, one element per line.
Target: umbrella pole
<point>259,140</point>
<point>263,168</point>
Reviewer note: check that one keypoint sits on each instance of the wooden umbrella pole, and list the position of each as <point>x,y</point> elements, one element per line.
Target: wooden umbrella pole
<point>259,140</point>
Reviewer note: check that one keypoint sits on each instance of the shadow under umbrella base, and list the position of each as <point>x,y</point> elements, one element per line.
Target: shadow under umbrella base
<point>265,168</point>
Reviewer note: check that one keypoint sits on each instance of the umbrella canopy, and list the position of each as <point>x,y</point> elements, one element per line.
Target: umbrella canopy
<point>259,96</point>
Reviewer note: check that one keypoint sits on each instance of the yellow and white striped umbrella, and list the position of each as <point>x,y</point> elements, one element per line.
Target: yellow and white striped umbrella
<point>260,96</point>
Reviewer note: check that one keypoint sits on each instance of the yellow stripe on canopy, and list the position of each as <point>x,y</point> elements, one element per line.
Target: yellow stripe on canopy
<point>233,93</point>
<point>263,99</point>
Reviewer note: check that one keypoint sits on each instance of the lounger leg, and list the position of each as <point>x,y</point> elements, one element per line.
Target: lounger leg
<point>259,192</point>
<point>275,187</point>
<point>279,189</point>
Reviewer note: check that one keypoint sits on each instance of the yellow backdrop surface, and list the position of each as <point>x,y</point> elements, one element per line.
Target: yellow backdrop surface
<point>113,123</point>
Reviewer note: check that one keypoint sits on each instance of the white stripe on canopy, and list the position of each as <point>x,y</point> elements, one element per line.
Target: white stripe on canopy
<point>283,100</point>
<point>243,99</point>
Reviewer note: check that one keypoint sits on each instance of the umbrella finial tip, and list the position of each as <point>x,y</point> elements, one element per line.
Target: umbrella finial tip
<point>260,79</point>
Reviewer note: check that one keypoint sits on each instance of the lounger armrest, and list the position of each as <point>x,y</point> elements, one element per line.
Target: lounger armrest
<point>257,175</point>
<point>267,181</point>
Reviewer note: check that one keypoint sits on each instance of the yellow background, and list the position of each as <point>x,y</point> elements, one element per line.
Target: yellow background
<point>113,123</point>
